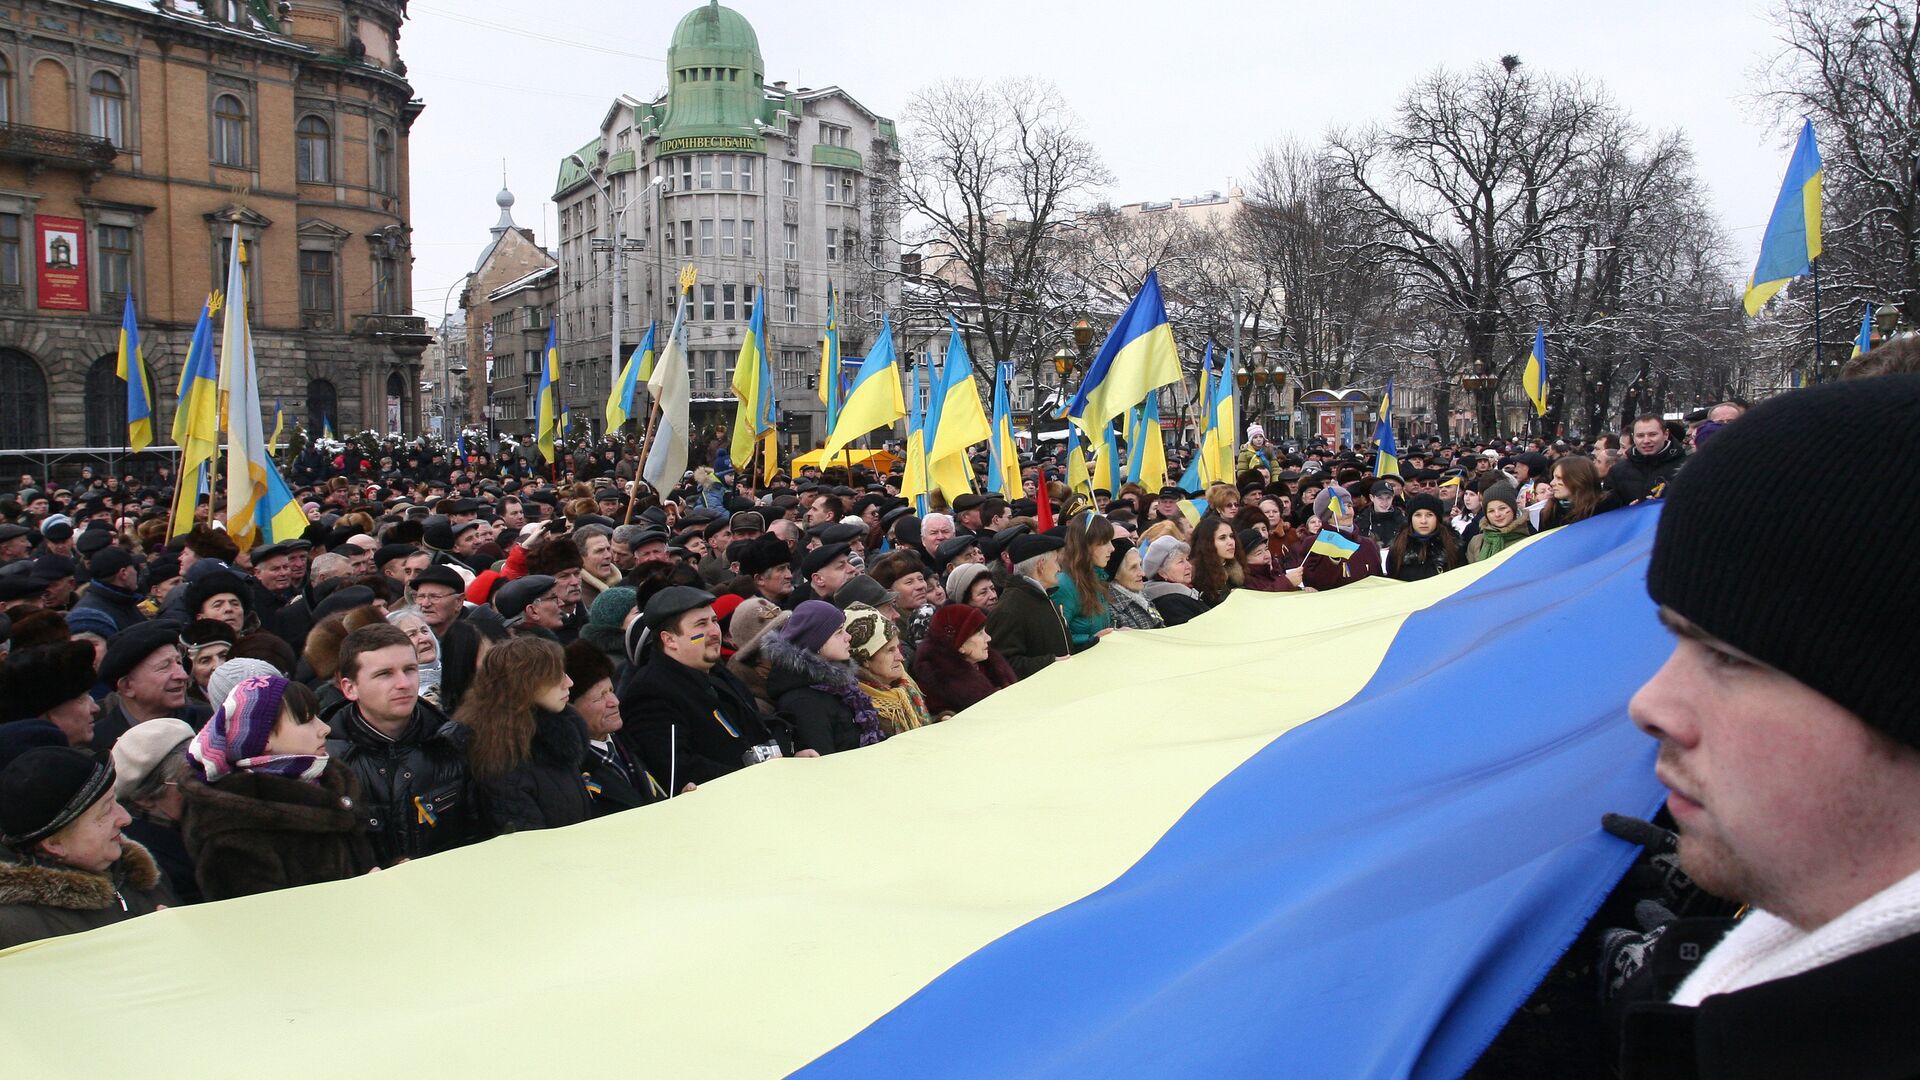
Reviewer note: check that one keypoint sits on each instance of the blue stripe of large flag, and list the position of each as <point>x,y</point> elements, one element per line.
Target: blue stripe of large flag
<point>1372,894</point>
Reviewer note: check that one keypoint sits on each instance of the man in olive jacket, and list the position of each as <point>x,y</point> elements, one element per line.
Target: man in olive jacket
<point>1025,625</point>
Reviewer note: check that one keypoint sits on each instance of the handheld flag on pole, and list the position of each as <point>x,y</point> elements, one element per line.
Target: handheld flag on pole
<point>875,400</point>
<point>326,427</point>
<point>260,506</point>
<point>1138,356</point>
<point>1146,445</point>
<point>1223,424</point>
<point>1387,461</point>
<point>672,389</point>
<point>914,482</point>
<point>830,362</point>
<point>547,399</point>
<point>279,427</point>
<point>1864,342</point>
<point>962,422</point>
<point>1003,455</point>
<point>753,391</point>
<point>1333,545</point>
<point>634,372</point>
<point>1534,378</point>
<point>1792,240</point>
<point>196,418</point>
<point>132,367</point>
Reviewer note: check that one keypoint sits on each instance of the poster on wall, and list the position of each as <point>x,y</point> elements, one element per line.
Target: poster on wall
<point>393,416</point>
<point>62,277</point>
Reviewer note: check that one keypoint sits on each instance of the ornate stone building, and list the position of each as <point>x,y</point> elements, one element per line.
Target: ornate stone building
<point>506,304</point>
<point>133,136</point>
<point>759,186</point>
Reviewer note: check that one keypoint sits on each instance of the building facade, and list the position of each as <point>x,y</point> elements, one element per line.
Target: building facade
<point>506,305</point>
<point>768,191</point>
<point>134,137</point>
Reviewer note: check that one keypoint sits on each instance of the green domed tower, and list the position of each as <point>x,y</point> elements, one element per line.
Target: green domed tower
<point>714,79</point>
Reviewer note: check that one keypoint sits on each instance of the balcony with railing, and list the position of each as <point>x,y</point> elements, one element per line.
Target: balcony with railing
<point>405,334</point>
<point>50,148</point>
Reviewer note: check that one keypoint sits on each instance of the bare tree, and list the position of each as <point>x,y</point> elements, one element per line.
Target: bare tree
<point>1853,67</point>
<point>992,176</point>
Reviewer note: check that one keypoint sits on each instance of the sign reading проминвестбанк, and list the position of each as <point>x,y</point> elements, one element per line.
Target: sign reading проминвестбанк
<point>692,143</point>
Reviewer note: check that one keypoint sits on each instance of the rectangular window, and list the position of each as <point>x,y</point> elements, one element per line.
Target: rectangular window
<point>746,172</point>
<point>792,299</point>
<point>833,245</point>
<point>706,171</point>
<point>726,302</point>
<point>706,236</point>
<point>386,286</point>
<point>115,243</point>
<point>316,286</point>
<point>746,238</point>
<point>726,172</point>
<point>726,236</point>
<point>9,249</point>
<point>846,185</point>
<point>790,178</point>
<point>829,184</point>
<point>706,302</point>
<point>686,238</point>
<point>686,174</point>
<point>790,241</point>
<point>832,134</point>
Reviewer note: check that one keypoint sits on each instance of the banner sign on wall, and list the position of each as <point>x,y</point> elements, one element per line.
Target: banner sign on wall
<point>62,278</point>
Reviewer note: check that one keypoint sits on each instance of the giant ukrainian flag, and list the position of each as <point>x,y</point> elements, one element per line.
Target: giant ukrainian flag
<point>1335,882</point>
<point>1792,239</point>
<point>1138,356</point>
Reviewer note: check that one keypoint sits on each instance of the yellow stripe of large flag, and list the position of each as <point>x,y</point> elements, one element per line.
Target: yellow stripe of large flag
<point>1792,239</point>
<point>132,368</point>
<point>938,911</point>
<point>196,417</point>
<point>633,373</point>
<point>1138,356</point>
<point>875,399</point>
<point>752,392</point>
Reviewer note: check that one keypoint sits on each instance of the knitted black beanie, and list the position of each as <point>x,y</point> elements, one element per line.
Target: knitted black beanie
<point>1809,595</point>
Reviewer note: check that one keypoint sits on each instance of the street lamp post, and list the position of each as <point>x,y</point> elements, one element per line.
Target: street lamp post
<point>617,247</point>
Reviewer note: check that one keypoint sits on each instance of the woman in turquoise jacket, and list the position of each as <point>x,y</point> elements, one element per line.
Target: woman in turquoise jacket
<point>1081,594</point>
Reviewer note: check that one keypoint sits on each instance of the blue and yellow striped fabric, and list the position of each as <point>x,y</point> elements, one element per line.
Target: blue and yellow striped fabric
<point>1360,874</point>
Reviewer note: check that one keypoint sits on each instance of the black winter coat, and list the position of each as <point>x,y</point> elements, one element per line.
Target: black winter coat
<point>548,789</point>
<point>668,713</point>
<point>1852,1019</point>
<point>414,790</point>
<point>254,832</point>
<point>1426,558</point>
<point>1176,604</point>
<point>42,900</point>
<point>1027,629</point>
<point>169,851</point>
<point>821,721</point>
<point>1635,476</point>
<point>613,790</point>
<point>121,606</point>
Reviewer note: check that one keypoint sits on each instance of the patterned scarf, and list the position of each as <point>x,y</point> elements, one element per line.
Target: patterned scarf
<point>900,706</point>
<point>853,697</point>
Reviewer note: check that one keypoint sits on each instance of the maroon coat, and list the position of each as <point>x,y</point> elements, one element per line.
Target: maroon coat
<point>1324,573</point>
<point>950,682</point>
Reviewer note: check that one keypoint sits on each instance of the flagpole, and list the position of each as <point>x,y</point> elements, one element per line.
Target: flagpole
<point>646,441</point>
<point>1818,368</point>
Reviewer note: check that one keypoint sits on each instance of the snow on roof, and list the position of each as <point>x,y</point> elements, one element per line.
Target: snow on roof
<point>526,282</point>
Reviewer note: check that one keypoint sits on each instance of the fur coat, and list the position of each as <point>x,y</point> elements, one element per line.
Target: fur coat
<point>255,832</point>
<point>43,900</point>
<point>952,682</point>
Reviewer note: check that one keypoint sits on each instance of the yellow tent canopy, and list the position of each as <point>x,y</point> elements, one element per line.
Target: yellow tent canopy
<point>880,461</point>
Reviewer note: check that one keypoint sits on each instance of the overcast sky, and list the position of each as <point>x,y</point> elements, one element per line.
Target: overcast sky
<point>1179,97</point>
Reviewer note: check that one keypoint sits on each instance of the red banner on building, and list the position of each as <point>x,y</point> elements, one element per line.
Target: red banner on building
<point>63,263</point>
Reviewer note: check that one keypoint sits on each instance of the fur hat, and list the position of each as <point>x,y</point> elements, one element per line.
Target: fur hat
<point>36,628</point>
<point>35,680</point>
<point>752,621</point>
<point>586,666</point>
<point>953,624</point>
<point>554,557</point>
<point>214,584</point>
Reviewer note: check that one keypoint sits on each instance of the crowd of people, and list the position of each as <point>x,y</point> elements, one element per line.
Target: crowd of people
<point>453,652</point>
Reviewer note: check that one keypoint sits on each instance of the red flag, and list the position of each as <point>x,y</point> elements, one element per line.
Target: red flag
<point>1043,502</point>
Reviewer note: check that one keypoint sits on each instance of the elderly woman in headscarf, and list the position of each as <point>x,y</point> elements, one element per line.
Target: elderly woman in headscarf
<point>874,645</point>
<point>426,647</point>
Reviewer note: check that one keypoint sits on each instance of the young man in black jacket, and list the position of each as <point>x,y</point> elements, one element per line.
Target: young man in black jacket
<point>1791,748</point>
<point>410,759</point>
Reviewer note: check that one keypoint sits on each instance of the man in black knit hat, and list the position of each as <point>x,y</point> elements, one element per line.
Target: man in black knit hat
<point>1790,742</point>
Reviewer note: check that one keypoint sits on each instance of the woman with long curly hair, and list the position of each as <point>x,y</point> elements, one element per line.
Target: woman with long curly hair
<point>528,747</point>
<point>1216,571</point>
<point>1576,494</point>
<point>1081,592</point>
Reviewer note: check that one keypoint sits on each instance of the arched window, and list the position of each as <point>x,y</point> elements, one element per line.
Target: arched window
<point>109,116</point>
<point>313,157</point>
<point>229,131</point>
<point>23,402</point>
<point>383,160</point>
<point>396,404</point>
<point>323,408</point>
<point>106,404</point>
